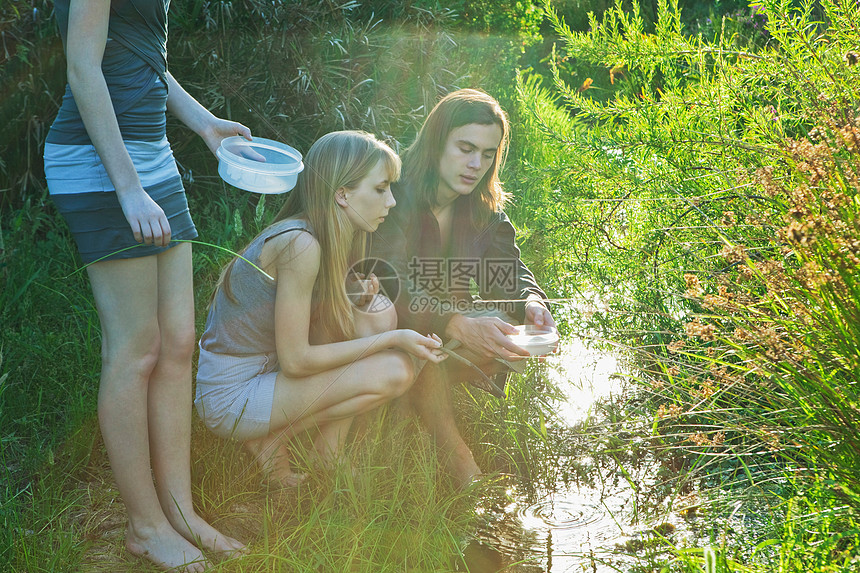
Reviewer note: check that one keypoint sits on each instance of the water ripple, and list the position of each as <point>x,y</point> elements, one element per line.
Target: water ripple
<point>560,514</point>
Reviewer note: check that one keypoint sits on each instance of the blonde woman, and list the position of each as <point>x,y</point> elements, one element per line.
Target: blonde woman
<point>290,352</point>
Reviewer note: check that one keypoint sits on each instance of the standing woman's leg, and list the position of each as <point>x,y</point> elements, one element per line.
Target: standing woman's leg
<point>126,295</point>
<point>170,401</point>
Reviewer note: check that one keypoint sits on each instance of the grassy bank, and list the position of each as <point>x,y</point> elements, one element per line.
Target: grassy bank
<point>387,510</point>
<point>697,174</point>
<point>711,185</point>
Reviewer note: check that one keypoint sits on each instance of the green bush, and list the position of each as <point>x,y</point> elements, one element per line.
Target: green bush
<point>707,189</point>
<point>33,70</point>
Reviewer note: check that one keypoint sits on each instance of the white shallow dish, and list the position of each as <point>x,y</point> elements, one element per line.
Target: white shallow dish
<point>259,166</point>
<point>537,340</point>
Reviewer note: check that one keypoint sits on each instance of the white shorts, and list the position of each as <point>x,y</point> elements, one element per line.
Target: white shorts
<point>234,394</point>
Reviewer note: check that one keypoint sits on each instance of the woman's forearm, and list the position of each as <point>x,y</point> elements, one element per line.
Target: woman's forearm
<point>199,119</point>
<point>186,108</point>
<point>314,359</point>
<point>92,98</point>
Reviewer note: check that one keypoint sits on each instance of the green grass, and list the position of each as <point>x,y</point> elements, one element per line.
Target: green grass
<point>620,189</point>
<point>61,510</point>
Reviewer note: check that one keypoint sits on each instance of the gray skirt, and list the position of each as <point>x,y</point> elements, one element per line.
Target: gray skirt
<point>102,232</point>
<point>84,195</point>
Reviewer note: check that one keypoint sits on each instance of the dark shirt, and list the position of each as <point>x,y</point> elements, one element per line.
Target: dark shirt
<point>434,285</point>
<point>135,57</point>
<point>138,25</point>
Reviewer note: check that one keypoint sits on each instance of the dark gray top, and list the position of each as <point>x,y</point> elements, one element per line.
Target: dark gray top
<point>135,57</point>
<point>246,326</point>
<point>434,284</point>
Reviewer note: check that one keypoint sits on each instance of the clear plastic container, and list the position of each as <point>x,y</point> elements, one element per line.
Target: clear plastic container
<point>537,340</point>
<point>259,166</point>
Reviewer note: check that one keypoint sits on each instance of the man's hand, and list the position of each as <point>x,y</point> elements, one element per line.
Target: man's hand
<point>485,336</point>
<point>538,315</point>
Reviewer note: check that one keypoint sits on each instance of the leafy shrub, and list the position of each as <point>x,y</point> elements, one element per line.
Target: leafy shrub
<point>709,192</point>
<point>33,71</point>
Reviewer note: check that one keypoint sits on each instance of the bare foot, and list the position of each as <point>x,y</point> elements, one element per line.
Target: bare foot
<point>273,457</point>
<point>286,480</point>
<point>462,466</point>
<point>196,530</point>
<point>166,548</point>
<point>330,463</point>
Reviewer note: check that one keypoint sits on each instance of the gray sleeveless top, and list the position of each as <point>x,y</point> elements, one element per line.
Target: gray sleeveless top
<point>135,57</point>
<point>246,326</point>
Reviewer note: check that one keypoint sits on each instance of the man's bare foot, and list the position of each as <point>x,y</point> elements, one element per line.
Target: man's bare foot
<point>166,548</point>
<point>285,480</point>
<point>198,531</point>
<point>461,464</point>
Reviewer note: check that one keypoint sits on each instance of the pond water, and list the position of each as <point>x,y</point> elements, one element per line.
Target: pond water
<point>610,521</point>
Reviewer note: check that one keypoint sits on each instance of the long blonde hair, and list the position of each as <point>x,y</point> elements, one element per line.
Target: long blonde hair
<point>421,159</point>
<point>340,159</point>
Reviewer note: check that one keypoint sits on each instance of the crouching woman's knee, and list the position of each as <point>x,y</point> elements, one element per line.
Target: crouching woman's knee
<point>377,316</point>
<point>397,373</point>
